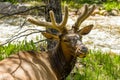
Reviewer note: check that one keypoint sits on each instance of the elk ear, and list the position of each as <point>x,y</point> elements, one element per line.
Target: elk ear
<point>85,30</point>
<point>50,36</point>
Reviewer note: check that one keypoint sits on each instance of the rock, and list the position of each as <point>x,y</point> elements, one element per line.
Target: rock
<point>8,8</point>
<point>114,12</point>
<point>100,12</point>
<point>4,6</point>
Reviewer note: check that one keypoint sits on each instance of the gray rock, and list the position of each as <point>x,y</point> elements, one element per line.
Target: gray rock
<point>8,8</point>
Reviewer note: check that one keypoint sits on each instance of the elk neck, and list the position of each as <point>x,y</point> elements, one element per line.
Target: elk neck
<point>61,63</point>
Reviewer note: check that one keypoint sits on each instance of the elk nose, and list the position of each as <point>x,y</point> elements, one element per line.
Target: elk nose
<point>84,49</point>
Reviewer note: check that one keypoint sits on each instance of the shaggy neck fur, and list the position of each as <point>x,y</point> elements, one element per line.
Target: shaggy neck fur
<point>59,63</point>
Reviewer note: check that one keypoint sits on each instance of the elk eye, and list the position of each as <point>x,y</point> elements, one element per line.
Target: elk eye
<point>65,40</point>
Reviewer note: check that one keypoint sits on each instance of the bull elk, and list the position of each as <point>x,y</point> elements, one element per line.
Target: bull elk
<point>56,63</point>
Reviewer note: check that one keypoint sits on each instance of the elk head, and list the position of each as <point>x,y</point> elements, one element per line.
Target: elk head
<point>69,40</point>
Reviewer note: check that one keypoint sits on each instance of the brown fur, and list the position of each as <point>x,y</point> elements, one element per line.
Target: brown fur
<point>57,63</point>
<point>27,66</point>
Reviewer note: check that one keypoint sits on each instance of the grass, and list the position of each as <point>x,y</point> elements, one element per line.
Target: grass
<point>9,49</point>
<point>109,5</point>
<point>96,66</point>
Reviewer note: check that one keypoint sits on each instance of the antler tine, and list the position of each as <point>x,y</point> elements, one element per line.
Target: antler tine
<point>41,23</point>
<point>64,22</point>
<point>52,18</point>
<point>86,13</point>
<point>53,23</point>
<point>79,20</point>
<point>91,9</point>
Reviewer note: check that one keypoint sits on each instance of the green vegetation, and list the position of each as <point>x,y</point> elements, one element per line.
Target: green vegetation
<point>9,49</point>
<point>98,66</point>
<point>107,5</point>
<point>111,5</point>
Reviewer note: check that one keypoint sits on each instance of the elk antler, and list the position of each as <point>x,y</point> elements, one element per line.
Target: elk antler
<point>41,23</point>
<point>53,23</point>
<point>86,13</point>
<point>64,21</point>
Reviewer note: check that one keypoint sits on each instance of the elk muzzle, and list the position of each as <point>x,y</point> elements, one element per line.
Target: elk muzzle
<point>81,51</point>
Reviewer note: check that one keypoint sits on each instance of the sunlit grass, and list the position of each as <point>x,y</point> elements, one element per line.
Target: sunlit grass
<point>111,5</point>
<point>98,66</point>
<point>9,49</point>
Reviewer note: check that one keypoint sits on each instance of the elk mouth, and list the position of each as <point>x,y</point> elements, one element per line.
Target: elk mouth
<point>81,52</point>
